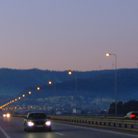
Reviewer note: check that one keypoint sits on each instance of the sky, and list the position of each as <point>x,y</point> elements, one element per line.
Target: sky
<point>68,34</point>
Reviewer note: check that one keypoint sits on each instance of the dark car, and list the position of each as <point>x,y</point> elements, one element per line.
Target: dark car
<point>131,115</point>
<point>37,121</point>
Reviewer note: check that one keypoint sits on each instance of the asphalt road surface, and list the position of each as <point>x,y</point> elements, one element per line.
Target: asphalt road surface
<point>13,128</point>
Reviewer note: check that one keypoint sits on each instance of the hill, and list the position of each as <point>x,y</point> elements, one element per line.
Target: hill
<point>92,86</point>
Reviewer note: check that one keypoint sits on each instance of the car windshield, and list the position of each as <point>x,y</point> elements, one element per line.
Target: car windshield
<point>37,116</point>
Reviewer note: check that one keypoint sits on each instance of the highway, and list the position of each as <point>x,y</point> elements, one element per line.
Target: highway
<point>13,128</point>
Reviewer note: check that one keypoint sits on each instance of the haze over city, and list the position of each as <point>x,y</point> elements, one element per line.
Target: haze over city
<point>73,34</point>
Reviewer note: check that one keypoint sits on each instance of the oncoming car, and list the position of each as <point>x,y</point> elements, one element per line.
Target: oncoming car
<point>37,121</point>
<point>131,115</point>
<point>6,115</point>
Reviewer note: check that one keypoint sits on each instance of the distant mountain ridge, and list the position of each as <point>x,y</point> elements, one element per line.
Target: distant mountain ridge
<point>90,83</point>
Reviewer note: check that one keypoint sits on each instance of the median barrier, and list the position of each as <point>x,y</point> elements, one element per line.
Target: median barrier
<point>117,123</point>
<point>104,122</point>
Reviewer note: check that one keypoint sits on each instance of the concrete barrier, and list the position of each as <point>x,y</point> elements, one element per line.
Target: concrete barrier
<point>117,123</point>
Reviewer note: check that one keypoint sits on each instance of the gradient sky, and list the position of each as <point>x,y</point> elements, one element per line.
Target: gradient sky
<point>68,34</point>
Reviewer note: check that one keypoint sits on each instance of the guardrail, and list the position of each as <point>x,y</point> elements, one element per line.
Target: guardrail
<point>106,122</point>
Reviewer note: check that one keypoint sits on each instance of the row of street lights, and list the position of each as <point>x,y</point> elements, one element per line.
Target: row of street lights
<point>38,88</point>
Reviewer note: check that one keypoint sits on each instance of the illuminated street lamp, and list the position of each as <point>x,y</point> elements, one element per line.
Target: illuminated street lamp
<point>115,79</point>
<point>19,98</point>
<point>52,84</point>
<point>75,78</point>
<point>69,72</point>
<point>29,92</point>
<point>107,54</point>
<point>23,95</point>
<point>49,82</point>
<point>38,88</point>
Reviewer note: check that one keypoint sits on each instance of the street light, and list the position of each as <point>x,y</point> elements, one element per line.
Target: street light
<point>69,72</point>
<point>115,79</point>
<point>108,54</point>
<point>38,88</point>
<point>49,82</point>
<point>29,92</point>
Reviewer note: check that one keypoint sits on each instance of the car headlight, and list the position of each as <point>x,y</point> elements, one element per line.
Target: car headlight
<point>48,123</point>
<point>8,115</point>
<point>4,115</point>
<point>30,123</point>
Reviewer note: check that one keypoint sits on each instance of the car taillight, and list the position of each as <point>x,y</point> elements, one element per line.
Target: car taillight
<point>132,116</point>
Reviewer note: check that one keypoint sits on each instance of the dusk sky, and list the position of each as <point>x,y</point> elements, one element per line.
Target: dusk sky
<point>68,34</point>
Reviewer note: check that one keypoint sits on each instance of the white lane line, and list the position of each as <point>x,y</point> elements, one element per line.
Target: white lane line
<point>110,131</point>
<point>101,130</point>
<point>61,134</point>
<point>4,132</point>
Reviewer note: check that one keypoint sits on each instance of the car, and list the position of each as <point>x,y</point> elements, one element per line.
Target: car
<point>6,115</point>
<point>131,115</point>
<point>37,121</point>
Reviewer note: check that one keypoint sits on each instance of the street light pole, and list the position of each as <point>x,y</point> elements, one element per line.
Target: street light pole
<point>70,72</point>
<point>75,80</point>
<point>115,80</point>
<point>137,65</point>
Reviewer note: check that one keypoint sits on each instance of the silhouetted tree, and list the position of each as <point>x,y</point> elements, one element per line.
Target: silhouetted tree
<point>123,108</point>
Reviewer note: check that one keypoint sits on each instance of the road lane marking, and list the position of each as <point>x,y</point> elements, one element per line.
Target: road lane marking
<point>4,132</point>
<point>109,131</point>
<point>61,134</point>
<point>100,130</point>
